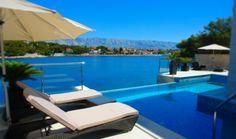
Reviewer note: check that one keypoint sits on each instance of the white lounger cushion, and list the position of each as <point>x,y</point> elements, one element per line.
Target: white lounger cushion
<point>65,97</point>
<point>48,108</point>
<point>74,96</point>
<point>82,118</point>
<point>101,114</point>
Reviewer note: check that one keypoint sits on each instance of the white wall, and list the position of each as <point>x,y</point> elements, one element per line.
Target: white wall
<point>213,60</point>
<point>232,71</point>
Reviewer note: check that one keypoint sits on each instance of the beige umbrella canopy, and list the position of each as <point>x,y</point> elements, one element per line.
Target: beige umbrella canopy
<point>36,25</point>
<point>22,20</point>
<point>214,47</point>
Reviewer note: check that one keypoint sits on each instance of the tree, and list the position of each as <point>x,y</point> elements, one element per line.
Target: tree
<point>120,50</point>
<point>20,48</point>
<point>115,51</point>
<point>216,32</point>
<point>103,49</point>
<point>15,48</point>
<point>79,49</point>
<point>17,71</point>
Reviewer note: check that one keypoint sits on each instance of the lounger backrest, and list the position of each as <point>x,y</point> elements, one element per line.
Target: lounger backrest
<point>21,85</point>
<point>48,108</point>
<point>24,86</point>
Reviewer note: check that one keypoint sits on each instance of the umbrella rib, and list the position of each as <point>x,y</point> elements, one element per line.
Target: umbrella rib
<point>55,27</point>
<point>23,26</point>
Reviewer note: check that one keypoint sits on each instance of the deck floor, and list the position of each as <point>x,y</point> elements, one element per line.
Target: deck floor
<point>138,132</point>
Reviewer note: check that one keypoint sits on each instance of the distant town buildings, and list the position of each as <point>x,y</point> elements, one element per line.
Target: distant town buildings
<point>125,51</point>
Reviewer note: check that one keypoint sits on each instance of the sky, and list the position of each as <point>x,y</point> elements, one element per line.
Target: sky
<point>161,20</point>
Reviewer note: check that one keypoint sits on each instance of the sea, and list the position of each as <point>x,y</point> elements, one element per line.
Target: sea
<point>99,72</point>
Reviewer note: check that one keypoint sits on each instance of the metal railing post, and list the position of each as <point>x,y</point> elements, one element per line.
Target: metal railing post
<point>214,125</point>
<point>81,76</point>
<point>60,64</point>
<point>159,68</point>
<point>218,107</point>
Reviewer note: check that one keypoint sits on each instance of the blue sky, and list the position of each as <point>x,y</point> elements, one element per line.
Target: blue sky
<point>163,20</point>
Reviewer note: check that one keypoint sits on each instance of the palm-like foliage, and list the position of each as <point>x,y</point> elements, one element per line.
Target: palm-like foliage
<point>17,71</point>
<point>173,56</point>
<point>185,60</point>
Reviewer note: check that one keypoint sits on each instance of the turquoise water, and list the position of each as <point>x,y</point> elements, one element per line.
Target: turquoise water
<point>130,94</point>
<point>177,112</point>
<point>173,105</point>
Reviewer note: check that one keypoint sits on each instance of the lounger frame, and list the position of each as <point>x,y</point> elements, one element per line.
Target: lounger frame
<point>26,111</point>
<point>21,130</point>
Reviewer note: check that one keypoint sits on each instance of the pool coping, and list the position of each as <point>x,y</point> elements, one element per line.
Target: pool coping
<point>136,87</point>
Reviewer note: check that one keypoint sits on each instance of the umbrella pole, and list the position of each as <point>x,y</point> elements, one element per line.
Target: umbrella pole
<point>4,73</point>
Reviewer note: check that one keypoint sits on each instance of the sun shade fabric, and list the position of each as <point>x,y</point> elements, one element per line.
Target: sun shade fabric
<point>22,6</point>
<point>73,96</point>
<point>214,47</point>
<point>49,108</point>
<point>36,23</point>
<point>102,114</point>
<point>79,25</point>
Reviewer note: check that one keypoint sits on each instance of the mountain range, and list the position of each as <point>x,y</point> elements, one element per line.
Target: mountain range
<point>124,43</point>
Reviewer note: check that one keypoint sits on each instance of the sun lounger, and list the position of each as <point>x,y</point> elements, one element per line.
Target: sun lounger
<point>110,116</point>
<point>68,97</point>
<point>20,109</point>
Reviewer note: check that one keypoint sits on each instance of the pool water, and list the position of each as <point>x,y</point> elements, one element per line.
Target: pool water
<point>177,112</point>
<point>135,93</point>
<point>173,105</point>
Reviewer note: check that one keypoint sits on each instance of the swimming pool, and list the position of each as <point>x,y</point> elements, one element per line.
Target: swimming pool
<point>173,106</point>
<point>134,93</point>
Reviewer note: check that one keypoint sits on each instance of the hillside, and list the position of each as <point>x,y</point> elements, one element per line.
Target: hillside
<point>117,43</point>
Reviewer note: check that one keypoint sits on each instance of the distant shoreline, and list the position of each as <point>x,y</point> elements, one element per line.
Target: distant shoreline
<point>34,55</point>
<point>62,55</point>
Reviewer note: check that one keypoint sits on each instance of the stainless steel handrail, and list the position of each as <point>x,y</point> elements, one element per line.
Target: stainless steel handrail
<point>60,64</point>
<point>219,106</point>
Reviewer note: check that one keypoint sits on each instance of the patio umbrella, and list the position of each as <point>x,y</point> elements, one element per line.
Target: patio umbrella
<point>22,20</point>
<point>214,47</point>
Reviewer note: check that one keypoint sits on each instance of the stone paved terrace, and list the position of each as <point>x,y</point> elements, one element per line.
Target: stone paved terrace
<point>148,130</point>
<point>138,132</point>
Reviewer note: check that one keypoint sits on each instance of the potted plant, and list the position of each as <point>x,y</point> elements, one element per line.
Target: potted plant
<point>17,71</point>
<point>185,61</point>
<point>173,57</point>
